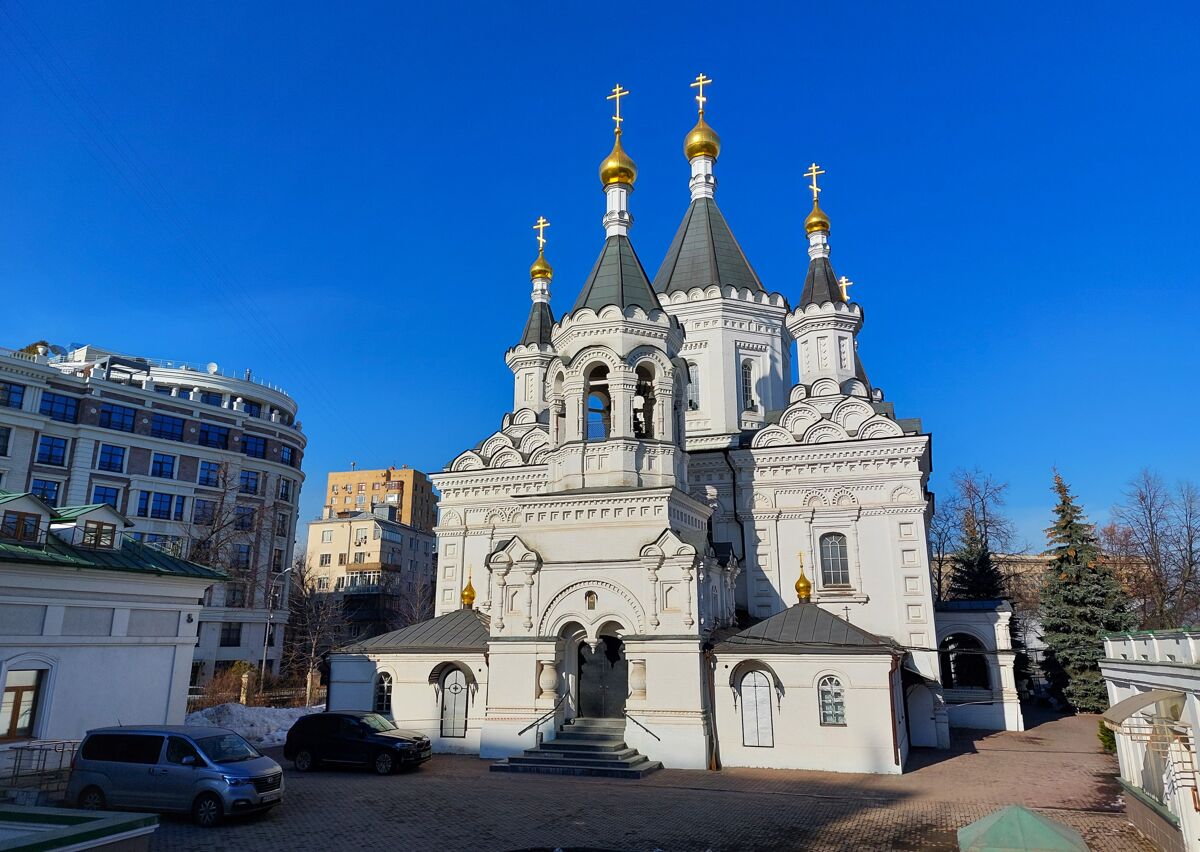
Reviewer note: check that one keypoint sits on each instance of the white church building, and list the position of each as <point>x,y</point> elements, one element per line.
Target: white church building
<point>672,553</point>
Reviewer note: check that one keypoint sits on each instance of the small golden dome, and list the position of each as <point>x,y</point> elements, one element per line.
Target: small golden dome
<point>468,594</point>
<point>803,587</point>
<point>541,268</point>
<point>702,140</point>
<point>618,167</point>
<point>817,220</point>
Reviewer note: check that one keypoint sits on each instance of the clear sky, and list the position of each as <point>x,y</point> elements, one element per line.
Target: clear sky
<point>340,196</point>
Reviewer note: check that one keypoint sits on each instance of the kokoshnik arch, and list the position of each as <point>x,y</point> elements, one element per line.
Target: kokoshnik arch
<point>622,555</point>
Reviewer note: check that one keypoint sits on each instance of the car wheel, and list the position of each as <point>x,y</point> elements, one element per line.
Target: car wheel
<point>385,763</point>
<point>304,761</point>
<point>92,799</point>
<point>207,811</point>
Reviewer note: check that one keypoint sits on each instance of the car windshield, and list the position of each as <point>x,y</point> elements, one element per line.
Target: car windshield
<point>377,723</point>
<point>227,748</point>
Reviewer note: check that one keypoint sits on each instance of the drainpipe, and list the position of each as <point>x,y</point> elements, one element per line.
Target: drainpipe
<point>714,745</point>
<point>737,519</point>
<point>892,709</point>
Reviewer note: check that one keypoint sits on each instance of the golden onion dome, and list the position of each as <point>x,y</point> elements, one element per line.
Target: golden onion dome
<point>817,220</point>
<point>468,594</point>
<point>803,586</point>
<point>702,140</point>
<point>541,268</point>
<point>618,167</point>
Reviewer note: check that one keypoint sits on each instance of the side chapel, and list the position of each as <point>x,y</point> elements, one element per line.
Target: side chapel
<point>672,554</point>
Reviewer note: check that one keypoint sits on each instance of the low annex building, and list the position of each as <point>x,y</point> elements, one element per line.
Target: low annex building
<point>671,549</point>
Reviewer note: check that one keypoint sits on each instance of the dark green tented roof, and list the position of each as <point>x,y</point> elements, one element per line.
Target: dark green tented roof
<point>704,252</point>
<point>617,279</point>
<point>808,629</point>
<point>820,285</point>
<point>461,630</point>
<point>537,327</point>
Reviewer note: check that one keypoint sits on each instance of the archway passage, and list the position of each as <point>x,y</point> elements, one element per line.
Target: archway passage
<point>603,679</point>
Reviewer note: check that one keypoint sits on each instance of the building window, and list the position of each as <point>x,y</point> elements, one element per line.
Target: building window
<point>287,455</point>
<point>19,711</point>
<point>693,387</point>
<point>20,526</point>
<point>323,582</point>
<point>755,694</point>
<point>97,534</point>
<point>119,417</point>
<point>599,404</point>
<point>52,450</point>
<point>11,395</point>
<point>162,466</point>
<point>326,536</point>
<point>5,437</point>
<point>248,482</point>
<point>46,489</point>
<point>56,406</point>
<point>589,600</point>
<point>241,556</point>
<point>210,474</point>
<point>454,703</point>
<point>285,489</point>
<point>210,398</point>
<point>235,595</point>
<point>231,635</point>
<point>835,566</point>
<point>107,494</point>
<point>160,506</point>
<point>166,426</point>
<point>831,698</point>
<point>281,524</point>
<point>243,518</point>
<point>341,559</point>
<point>214,436</point>
<point>324,560</point>
<point>748,386</point>
<point>360,557</point>
<point>254,409</point>
<point>111,459</point>
<point>963,662</point>
<point>204,512</point>
<point>165,390</point>
<point>277,559</point>
<point>254,446</point>
<point>383,694</point>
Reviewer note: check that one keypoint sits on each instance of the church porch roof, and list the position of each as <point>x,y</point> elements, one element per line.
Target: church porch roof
<point>805,628</point>
<point>461,630</point>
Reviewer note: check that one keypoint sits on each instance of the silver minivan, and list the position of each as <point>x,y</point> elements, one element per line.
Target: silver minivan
<point>207,772</point>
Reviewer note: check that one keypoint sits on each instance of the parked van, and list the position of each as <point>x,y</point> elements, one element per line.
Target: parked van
<point>208,772</point>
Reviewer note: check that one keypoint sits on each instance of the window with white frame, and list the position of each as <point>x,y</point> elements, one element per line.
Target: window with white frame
<point>693,387</point>
<point>755,693</point>
<point>835,563</point>
<point>383,694</point>
<point>831,698</point>
<point>22,699</point>
<point>748,403</point>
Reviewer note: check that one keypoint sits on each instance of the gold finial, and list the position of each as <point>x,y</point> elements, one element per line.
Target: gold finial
<point>701,140</point>
<point>845,283</point>
<point>468,593</point>
<point>803,586</point>
<point>701,82</point>
<point>541,267</point>
<point>617,94</point>
<point>813,171</point>
<point>817,220</point>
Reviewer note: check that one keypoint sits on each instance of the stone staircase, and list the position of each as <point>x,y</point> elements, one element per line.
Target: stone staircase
<point>584,747</point>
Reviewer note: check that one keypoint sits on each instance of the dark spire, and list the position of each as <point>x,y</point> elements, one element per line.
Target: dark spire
<point>705,252</point>
<point>617,279</point>
<point>537,327</point>
<point>820,285</point>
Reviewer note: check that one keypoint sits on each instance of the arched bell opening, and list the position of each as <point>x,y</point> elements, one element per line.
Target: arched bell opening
<point>599,404</point>
<point>643,402</point>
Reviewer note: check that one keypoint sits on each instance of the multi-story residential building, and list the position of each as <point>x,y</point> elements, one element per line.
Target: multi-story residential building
<point>207,466</point>
<point>381,568</point>
<point>404,489</point>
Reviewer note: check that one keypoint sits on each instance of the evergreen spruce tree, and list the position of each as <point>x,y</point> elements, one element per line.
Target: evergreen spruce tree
<point>1081,601</point>
<point>974,575</point>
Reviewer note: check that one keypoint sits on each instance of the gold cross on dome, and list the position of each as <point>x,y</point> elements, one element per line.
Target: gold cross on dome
<point>800,556</point>
<point>813,171</point>
<point>617,94</point>
<point>845,283</point>
<point>701,82</point>
<point>540,226</point>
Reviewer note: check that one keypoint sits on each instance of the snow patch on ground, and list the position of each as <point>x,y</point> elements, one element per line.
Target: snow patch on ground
<point>263,726</point>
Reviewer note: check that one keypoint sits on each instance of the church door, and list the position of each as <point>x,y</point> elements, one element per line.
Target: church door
<point>603,679</point>
<point>454,703</point>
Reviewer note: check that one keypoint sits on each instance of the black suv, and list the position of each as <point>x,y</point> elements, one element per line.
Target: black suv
<point>354,737</point>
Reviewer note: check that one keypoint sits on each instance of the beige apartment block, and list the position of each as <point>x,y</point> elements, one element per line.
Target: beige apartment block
<point>404,489</point>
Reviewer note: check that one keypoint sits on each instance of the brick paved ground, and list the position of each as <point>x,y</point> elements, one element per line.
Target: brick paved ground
<point>454,803</point>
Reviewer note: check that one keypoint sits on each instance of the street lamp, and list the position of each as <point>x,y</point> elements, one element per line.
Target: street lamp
<point>270,621</point>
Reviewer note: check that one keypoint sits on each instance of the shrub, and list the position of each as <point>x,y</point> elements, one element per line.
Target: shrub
<point>1108,739</point>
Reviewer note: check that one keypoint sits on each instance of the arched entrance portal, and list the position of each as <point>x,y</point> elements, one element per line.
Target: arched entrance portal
<point>603,679</point>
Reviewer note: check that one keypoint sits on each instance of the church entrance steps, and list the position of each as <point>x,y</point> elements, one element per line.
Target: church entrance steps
<point>585,747</point>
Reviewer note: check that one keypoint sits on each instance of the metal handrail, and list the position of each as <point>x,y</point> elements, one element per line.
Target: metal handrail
<point>544,716</point>
<point>625,713</point>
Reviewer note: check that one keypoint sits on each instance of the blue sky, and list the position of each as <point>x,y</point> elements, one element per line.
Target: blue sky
<point>340,197</point>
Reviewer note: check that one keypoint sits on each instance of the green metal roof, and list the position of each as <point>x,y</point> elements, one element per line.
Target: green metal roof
<point>704,252</point>
<point>820,285</point>
<point>132,557</point>
<point>538,326</point>
<point>1016,828</point>
<point>617,279</point>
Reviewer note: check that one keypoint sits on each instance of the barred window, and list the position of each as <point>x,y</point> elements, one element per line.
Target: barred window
<point>832,699</point>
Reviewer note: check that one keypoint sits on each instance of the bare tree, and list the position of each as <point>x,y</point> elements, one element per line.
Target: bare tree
<point>945,538</point>
<point>316,625</point>
<point>415,605</point>
<point>1154,544</point>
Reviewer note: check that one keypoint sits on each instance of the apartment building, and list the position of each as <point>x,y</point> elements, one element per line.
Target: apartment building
<point>381,568</point>
<point>206,465</point>
<point>404,489</point>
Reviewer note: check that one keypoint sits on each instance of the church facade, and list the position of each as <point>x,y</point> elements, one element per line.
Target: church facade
<point>671,538</point>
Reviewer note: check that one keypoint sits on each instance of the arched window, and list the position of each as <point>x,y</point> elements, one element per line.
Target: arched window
<point>964,662</point>
<point>748,386</point>
<point>383,694</point>
<point>643,403</point>
<point>693,388</point>
<point>755,692</point>
<point>589,600</point>
<point>831,698</point>
<point>835,566</point>
<point>599,404</point>
<point>454,703</point>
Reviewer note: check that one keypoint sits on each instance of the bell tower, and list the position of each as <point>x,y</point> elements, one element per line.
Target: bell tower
<point>530,357</point>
